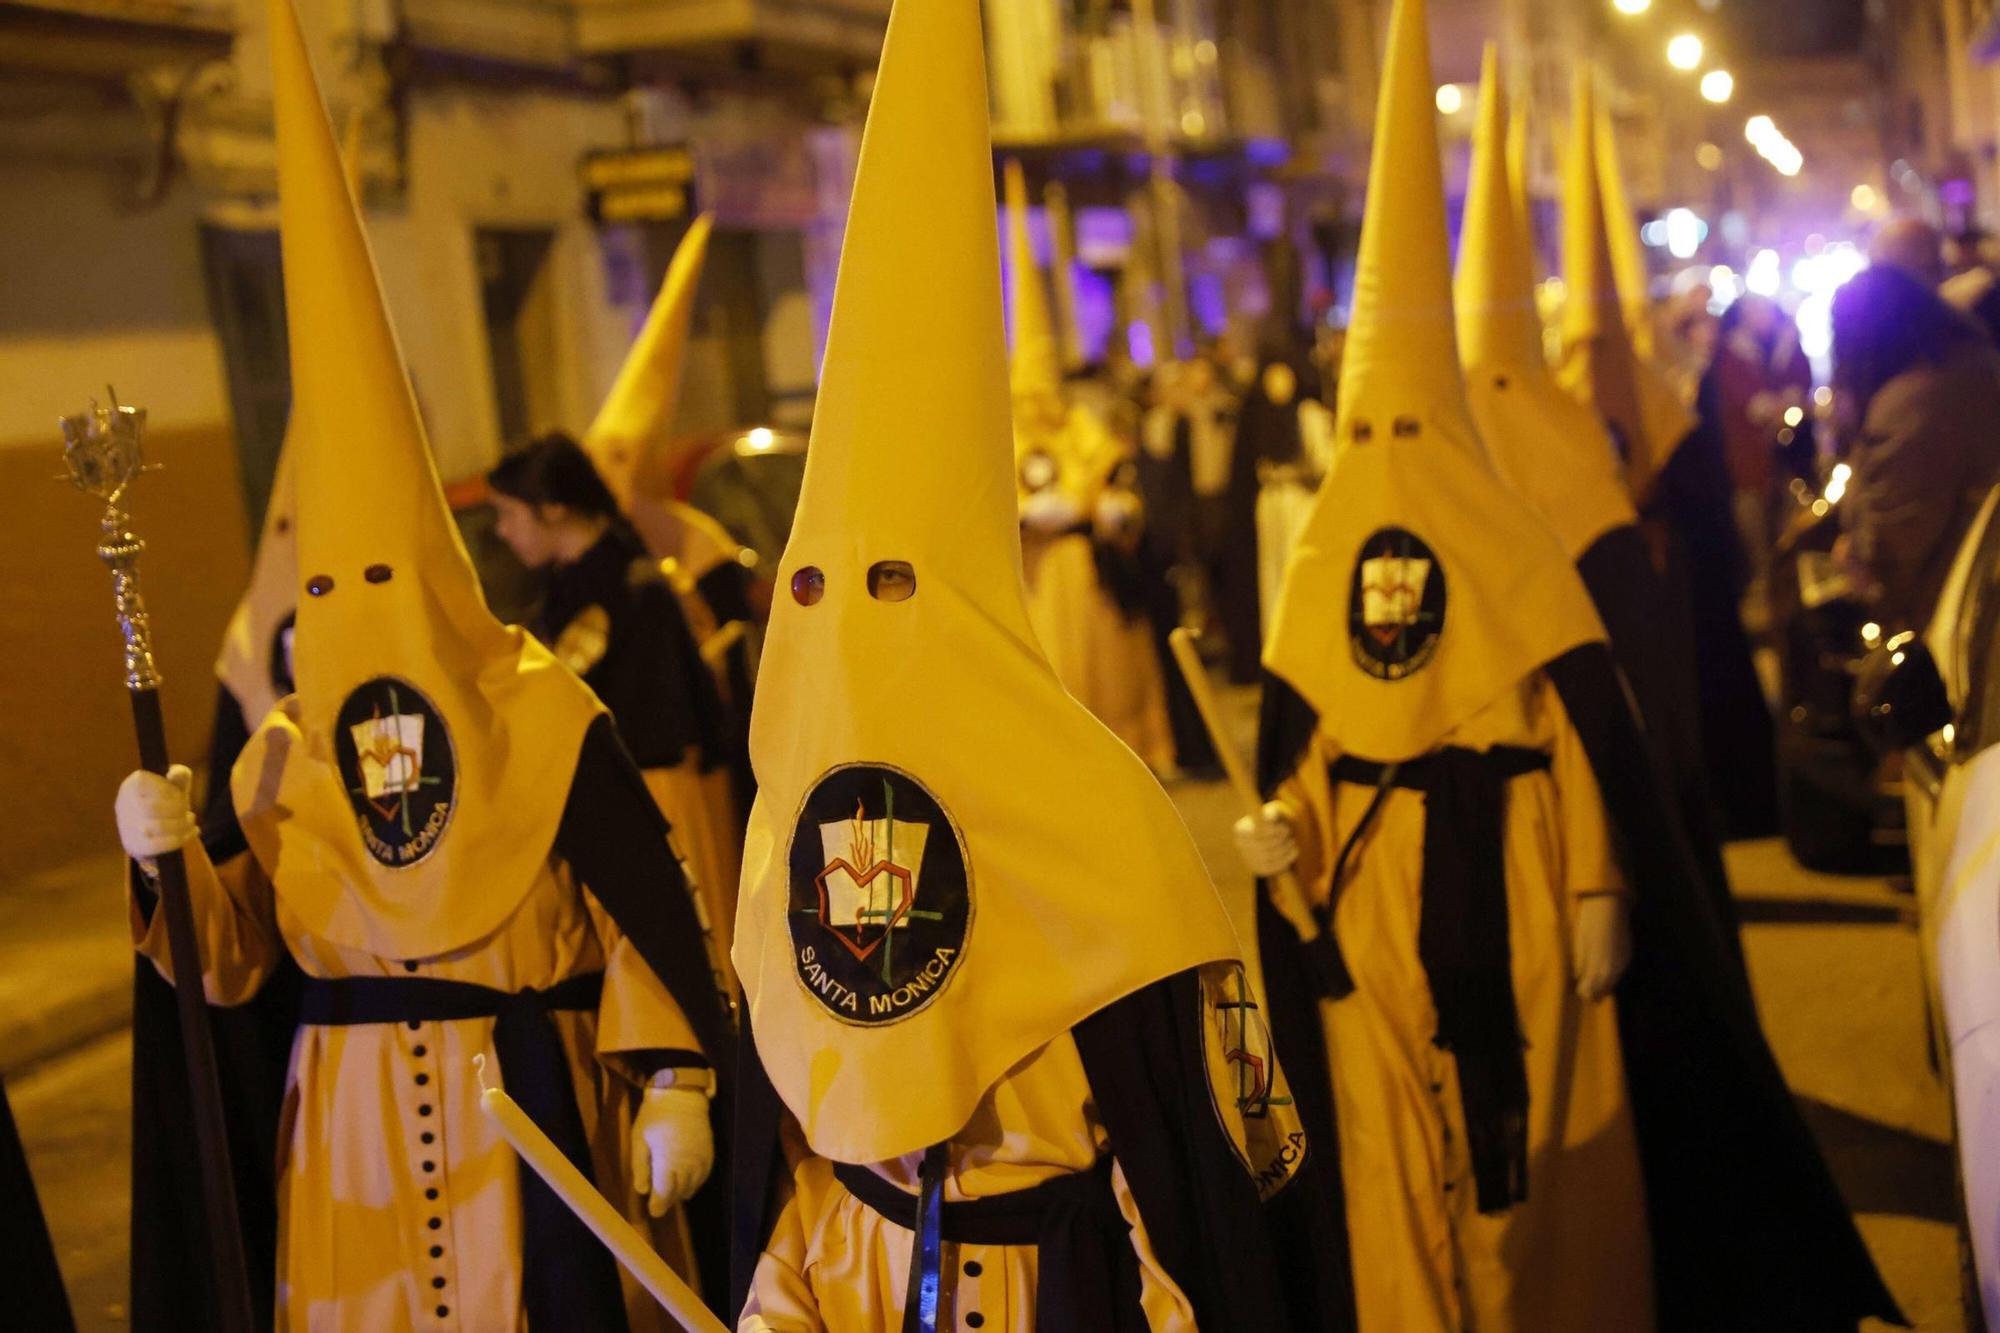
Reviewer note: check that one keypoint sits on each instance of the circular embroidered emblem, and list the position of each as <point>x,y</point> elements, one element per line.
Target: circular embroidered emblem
<point>881,895</point>
<point>1395,604</point>
<point>394,754</point>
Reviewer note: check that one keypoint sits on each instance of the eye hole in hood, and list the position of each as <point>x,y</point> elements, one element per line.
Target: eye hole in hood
<point>892,581</point>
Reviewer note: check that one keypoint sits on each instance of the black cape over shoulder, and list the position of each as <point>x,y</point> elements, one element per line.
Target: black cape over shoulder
<point>614,839</point>
<point>1646,617</point>
<point>1739,741</point>
<point>651,674</point>
<point>1749,1232</point>
<point>1144,1060</point>
<point>725,589</point>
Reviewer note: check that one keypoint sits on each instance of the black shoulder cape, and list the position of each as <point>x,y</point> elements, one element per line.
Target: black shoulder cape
<point>726,591</point>
<point>613,837</point>
<point>1144,1059</point>
<point>1647,619</point>
<point>651,675</point>
<point>1739,740</point>
<point>1749,1232</point>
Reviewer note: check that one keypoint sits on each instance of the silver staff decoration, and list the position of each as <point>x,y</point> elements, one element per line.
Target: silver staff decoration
<point>105,451</point>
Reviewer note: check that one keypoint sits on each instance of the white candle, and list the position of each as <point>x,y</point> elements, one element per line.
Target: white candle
<point>619,1236</point>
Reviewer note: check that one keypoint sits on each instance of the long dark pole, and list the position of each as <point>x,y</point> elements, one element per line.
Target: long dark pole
<point>103,453</point>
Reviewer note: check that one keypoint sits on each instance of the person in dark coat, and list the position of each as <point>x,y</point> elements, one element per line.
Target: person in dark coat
<point>612,617</point>
<point>1165,555</point>
<point>1918,391</point>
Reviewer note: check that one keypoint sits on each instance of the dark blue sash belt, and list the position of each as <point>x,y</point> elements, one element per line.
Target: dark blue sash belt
<point>1087,1273</point>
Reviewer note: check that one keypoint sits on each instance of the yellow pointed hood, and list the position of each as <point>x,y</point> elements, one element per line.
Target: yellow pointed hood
<point>406,797</point>
<point>950,863</point>
<point>1621,222</point>
<point>1548,446</point>
<point>252,663</point>
<point>1421,588</point>
<point>1518,149</point>
<point>1036,366</point>
<point>1600,366</point>
<point>639,410</point>
<point>1062,259</point>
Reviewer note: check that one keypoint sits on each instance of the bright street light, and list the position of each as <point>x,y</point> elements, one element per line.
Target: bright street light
<point>1759,129</point>
<point>1684,51</point>
<point>1632,6</point>
<point>1864,198</point>
<point>1717,85</point>
<point>1450,98</point>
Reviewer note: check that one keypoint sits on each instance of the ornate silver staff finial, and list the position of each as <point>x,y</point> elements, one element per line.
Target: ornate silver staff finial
<point>105,451</point>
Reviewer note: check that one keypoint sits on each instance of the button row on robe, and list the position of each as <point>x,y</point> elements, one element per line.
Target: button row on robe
<point>432,1193</point>
<point>974,1319</point>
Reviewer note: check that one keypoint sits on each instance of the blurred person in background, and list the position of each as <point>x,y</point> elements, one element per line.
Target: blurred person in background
<point>1976,292</point>
<point>1225,512</point>
<point>1917,393</point>
<point>1284,444</point>
<point>1688,334</point>
<point>1970,248</point>
<point>1081,518</point>
<point>1912,245</point>
<point>610,615</point>
<point>1756,392</point>
<point>1168,569</point>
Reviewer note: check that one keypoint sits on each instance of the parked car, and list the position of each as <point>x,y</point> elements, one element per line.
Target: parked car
<point>748,480</point>
<point>1934,695</point>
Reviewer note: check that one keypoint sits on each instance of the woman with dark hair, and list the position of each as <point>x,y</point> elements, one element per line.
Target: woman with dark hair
<point>1918,396</point>
<point>610,615</point>
<point>1757,376</point>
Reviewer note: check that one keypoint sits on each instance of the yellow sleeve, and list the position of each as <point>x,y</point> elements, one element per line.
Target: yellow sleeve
<point>637,1012</point>
<point>235,925</point>
<point>781,1297</point>
<point>1589,860</point>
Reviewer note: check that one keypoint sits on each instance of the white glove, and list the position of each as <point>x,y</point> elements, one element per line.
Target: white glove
<point>1116,511</point>
<point>1603,944</point>
<point>672,1146</point>
<point>1266,841</point>
<point>1050,511</point>
<point>154,815</point>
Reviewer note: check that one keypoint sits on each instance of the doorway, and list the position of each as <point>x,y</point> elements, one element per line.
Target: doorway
<point>515,290</point>
<point>246,299</point>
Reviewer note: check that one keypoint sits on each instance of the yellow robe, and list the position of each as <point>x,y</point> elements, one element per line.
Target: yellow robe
<point>1574,1257</point>
<point>1105,660</point>
<point>833,1265</point>
<point>379,1118</point>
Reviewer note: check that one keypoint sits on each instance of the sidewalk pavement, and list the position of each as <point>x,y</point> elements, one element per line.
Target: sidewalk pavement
<point>65,961</point>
